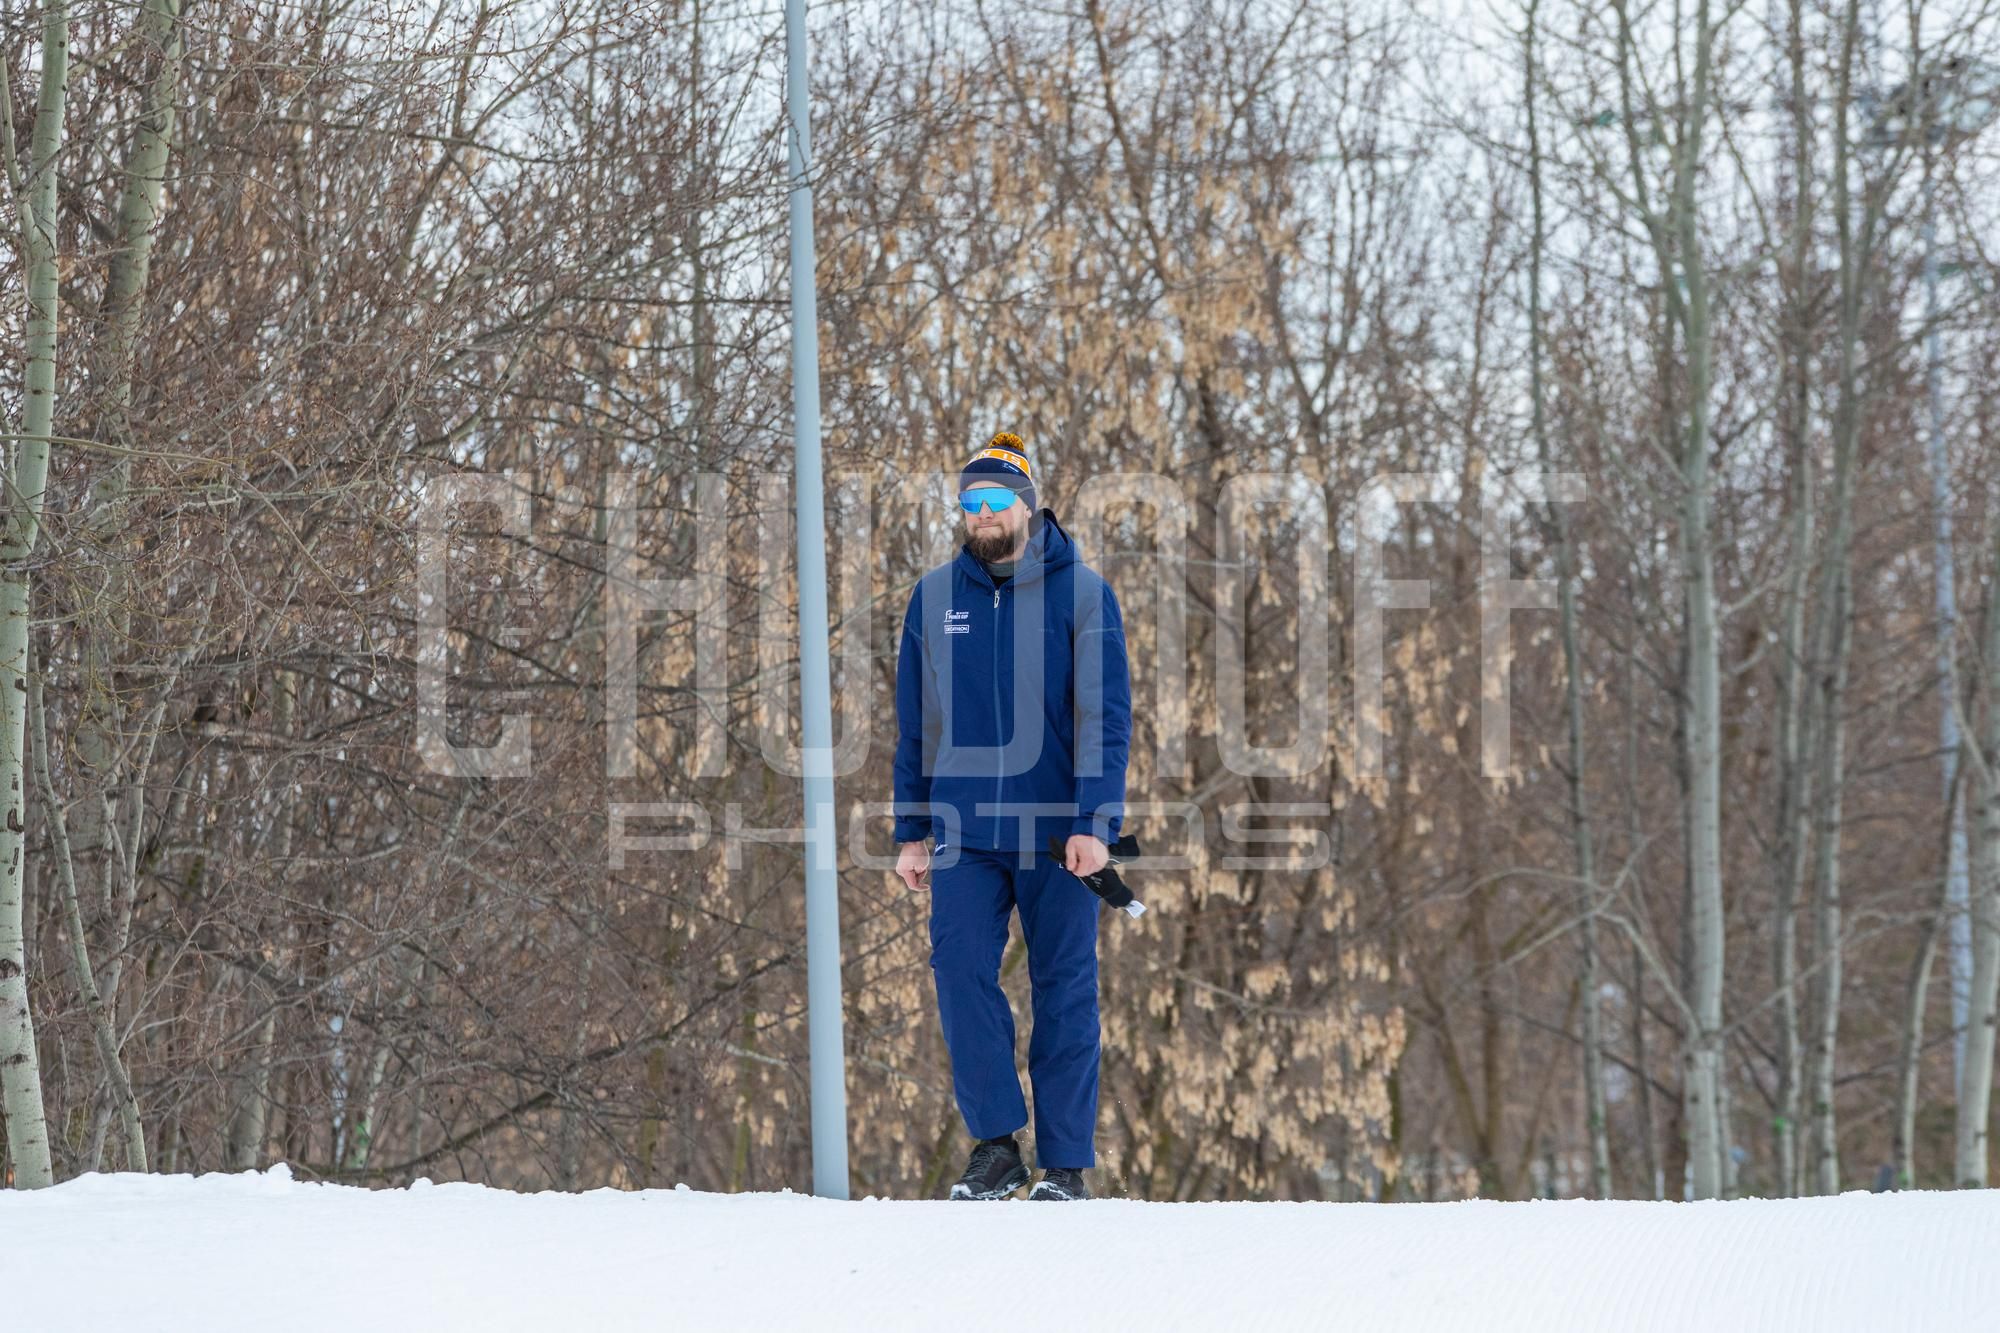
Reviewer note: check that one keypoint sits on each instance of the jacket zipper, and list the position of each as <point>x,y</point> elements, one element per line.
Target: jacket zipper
<point>998,815</point>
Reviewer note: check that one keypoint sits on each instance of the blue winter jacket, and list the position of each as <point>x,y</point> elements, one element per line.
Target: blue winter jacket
<point>1013,702</point>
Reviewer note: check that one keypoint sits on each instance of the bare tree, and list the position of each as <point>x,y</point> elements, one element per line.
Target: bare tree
<point>34,193</point>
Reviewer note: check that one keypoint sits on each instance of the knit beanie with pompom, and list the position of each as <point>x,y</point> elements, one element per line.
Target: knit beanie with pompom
<point>1005,458</point>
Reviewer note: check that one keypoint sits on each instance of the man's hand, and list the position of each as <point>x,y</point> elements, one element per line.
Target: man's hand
<point>913,865</point>
<point>1086,855</point>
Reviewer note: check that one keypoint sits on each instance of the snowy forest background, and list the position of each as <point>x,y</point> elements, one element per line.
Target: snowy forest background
<point>1732,263</point>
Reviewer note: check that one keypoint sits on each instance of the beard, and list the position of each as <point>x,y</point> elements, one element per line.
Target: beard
<point>990,547</point>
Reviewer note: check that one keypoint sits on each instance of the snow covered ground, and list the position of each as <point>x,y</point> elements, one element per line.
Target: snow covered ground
<point>261,1251</point>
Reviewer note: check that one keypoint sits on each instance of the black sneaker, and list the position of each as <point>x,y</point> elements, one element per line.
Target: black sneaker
<point>1060,1182</point>
<point>995,1171</point>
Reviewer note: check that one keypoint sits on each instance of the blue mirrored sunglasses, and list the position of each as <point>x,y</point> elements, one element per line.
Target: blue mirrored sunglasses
<point>985,497</point>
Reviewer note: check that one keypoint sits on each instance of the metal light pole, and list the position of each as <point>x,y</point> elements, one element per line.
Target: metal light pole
<point>1958,895</point>
<point>1955,103</point>
<point>824,1042</point>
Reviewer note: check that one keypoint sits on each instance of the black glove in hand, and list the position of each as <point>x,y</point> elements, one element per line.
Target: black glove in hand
<point>1105,882</point>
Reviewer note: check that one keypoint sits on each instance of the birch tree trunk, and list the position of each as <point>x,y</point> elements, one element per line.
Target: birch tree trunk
<point>250,1112</point>
<point>1830,659</point>
<point>1586,869</point>
<point>1649,1136</point>
<point>1788,863</point>
<point>101,1028</point>
<point>1704,730</point>
<point>97,743</point>
<point>1675,237</point>
<point>1911,1055</point>
<point>250,1086</point>
<point>1826,887</point>
<point>27,476</point>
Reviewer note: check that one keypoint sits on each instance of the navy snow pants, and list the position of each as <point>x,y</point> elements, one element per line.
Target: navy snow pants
<point>970,903</point>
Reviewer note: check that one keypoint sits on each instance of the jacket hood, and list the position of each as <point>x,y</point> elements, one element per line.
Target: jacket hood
<point>1049,548</point>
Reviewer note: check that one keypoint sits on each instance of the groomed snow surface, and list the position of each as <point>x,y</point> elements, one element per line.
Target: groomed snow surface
<point>261,1251</point>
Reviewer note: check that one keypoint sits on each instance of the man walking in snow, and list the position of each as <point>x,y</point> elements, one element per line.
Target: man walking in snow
<point>1014,719</point>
